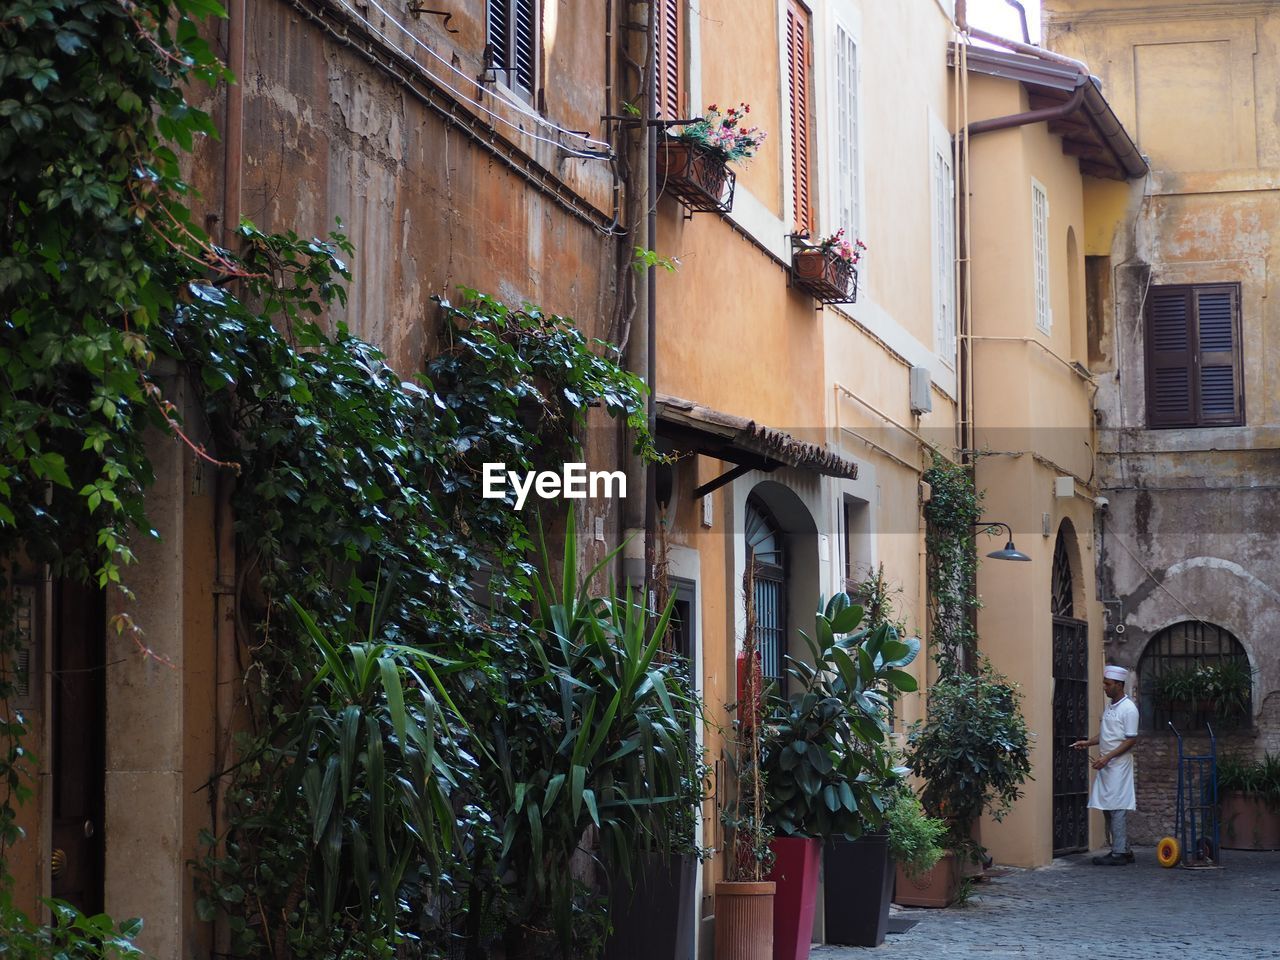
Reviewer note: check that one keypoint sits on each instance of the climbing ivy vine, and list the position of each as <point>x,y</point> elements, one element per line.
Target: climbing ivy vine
<point>953,509</point>
<point>382,604</point>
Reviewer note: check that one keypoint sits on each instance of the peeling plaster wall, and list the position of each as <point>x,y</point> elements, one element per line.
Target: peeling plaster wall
<point>1192,527</point>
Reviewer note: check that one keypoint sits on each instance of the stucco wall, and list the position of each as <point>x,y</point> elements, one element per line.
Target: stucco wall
<point>1192,526</point>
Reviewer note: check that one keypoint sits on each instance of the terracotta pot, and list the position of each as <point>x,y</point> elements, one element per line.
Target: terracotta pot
<point>938,887</point>
<point>684,166</point>
<point>1248,824</point>
<point>744,920</point>
<point>795,870</point>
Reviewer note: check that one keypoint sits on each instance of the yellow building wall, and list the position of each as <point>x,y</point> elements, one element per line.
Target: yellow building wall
<point>1033,416</point>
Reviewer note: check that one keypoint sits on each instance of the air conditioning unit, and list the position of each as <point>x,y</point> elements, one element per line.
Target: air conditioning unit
<point>921,391</point>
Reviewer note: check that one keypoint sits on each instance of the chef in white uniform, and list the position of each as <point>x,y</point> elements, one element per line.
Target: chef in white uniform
<point>1113,791</point>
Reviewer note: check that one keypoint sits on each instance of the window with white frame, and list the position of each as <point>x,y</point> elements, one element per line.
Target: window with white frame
<point>847,174</point>
<point>1040,250</point>
<point>942,195</point>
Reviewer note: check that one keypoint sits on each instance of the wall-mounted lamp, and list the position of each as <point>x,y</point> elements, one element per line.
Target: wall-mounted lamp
<point>1010,552</point>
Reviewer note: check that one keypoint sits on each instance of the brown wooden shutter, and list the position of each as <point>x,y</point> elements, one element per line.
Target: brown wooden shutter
<point>1169,358</point>
<point>798,55</point>
<point>1218,342</point>
<point>1193,356</point>
<point>670,50</point>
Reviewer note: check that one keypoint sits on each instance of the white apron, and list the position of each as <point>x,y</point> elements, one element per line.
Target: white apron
<point>1113,784</point>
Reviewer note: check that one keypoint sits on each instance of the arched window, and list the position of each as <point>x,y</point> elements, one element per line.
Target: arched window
<point>1192,673</point>
<point>766,551</point>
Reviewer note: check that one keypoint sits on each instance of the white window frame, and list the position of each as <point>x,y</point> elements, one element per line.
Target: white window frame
<point>847,207</point>
<point>1040,278</point>
<point>942,219</point>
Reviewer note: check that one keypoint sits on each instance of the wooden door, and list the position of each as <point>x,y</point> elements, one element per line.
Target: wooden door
<point>79,744</point>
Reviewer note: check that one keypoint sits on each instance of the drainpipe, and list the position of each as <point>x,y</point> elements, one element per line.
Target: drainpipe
<point>1030,116</point>
<point>1022,16</point>
<point>637,515</point>
<point>226,659</point>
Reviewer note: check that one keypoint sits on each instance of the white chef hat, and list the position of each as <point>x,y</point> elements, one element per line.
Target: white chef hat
<point>1115,673</point>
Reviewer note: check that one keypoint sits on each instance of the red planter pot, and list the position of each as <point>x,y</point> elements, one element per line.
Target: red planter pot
<point>795,871</point>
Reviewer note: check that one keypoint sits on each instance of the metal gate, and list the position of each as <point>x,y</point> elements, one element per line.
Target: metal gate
<point>1070,713</point>
<point>1070,723</point>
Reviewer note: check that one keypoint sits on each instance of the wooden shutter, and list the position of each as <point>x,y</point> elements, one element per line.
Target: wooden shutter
<point>1218,344</point>
<point>524,44</point>
<point>512,28</point>
<point>498,31</point>
<point>1169,362</point>
<point>670,51</point>
<point>798,55</point>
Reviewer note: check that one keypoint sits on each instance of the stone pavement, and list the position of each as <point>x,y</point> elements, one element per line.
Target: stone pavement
<point>1072,909</point>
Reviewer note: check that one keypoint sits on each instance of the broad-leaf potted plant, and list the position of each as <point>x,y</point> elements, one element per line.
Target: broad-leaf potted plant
<point>829,773</point>
<point>694,158</point>
<point>974,754</point>
<point>1249,792</point>
<point>827,270</point>
<point>744,899</point>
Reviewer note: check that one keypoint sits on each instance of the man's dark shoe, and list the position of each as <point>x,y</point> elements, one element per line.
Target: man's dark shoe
<point>1113,860</point>
<point>1129,857</point>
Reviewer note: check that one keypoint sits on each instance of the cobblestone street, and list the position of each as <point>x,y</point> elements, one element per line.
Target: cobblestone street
<point>1072,909</point>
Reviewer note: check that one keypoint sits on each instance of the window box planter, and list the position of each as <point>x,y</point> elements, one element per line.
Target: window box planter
<point>1248,823</point>
<point>696,176</point>
<point>824,275</point>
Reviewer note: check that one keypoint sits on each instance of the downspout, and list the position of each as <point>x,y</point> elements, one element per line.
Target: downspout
<point>1030,116</point>
<point>1022,17</point>
<point>226,659</point>
<point>637,516</point>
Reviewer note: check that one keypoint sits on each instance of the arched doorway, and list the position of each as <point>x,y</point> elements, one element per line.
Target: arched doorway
<point>767,551</point>
<point>1070,703</point>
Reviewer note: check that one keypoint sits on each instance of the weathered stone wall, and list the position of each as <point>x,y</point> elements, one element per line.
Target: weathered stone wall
<point>1156,778</point>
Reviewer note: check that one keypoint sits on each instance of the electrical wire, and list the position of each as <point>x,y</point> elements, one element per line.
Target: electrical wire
<point>603,154</point>
<point>1158,583</point>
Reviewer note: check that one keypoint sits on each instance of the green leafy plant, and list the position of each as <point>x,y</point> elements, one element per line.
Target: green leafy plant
<point>1257,778</point>
<point>590,731</point>
<point>824,756</point>
<point>973,751</point>
<point>951,562</point>
<point>70,935</point>
<point>915,840</point>
<point>1225,685</point>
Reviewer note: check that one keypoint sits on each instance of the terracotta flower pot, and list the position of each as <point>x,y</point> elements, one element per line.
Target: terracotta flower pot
<point>938,887</point>
<point>744,920</point>
<point>1248,823</point>
<point>695,175</point>
<point>795,870</point>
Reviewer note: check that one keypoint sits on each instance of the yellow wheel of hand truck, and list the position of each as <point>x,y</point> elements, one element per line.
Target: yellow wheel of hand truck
<point>1168,852</point>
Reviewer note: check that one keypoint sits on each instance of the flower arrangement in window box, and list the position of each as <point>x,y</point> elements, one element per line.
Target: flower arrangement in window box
<point>694,158</point>
<point>827,270</point>
<point>1218,691</point>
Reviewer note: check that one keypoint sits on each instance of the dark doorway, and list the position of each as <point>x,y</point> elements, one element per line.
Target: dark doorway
<point>79,744</point>
<point>1070,712</point>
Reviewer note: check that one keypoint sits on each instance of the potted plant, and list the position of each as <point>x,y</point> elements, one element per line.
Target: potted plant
<point>744,899</point>
<point>827,270</point>
<point>1217,691</point>
<point>1249,792</point>
<point>829,773</point>
<point>694,158</point>
<point>974,754</point>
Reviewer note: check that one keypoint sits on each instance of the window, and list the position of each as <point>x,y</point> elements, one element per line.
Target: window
<point>765,552</point>
<point>1193,356</point>
<point>512,52</point>
<point>798,57</point>
<point>669,38</point>
<point>1192,645</point>
<point>1040,250</point>
<point>942,197</point>
<point>848,213</point>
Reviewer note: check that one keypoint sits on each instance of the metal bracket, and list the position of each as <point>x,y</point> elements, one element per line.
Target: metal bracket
<point>416,10</point>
